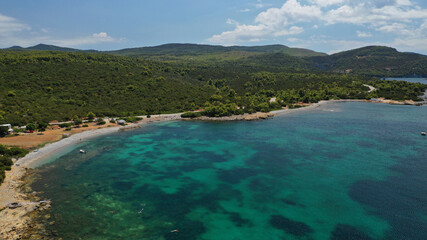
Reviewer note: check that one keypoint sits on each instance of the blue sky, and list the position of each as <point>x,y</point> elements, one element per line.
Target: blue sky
<point>322,25</point>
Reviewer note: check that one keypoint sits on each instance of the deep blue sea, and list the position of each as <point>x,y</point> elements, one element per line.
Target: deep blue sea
<point>341,171</point>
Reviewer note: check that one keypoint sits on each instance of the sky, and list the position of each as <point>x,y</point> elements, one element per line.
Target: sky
<point>322,25</point>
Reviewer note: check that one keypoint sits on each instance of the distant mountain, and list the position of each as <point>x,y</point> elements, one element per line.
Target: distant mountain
<point>374,61</point>
<point>15,48</point>
<point>199,49</point>
<point>45,47</point>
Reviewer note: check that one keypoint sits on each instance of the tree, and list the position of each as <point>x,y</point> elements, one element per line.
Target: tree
<point>42,126</point>
<point>77,120</point>
<point>31,127</point>
<point>3,131</point>
<point>91,115</point>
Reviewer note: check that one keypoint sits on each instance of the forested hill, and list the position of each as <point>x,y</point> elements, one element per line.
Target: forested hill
<point>199,49</point>
<point>41,86</point>
<point>45,47</point>
<point>44,86</point>
<point>374,61</point>
<point>370,61</point>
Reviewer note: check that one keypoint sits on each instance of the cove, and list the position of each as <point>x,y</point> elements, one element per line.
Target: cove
<point>341,170</point>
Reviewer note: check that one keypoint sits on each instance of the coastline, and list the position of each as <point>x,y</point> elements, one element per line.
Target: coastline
<point>20,222</point>
<point>15,223</point>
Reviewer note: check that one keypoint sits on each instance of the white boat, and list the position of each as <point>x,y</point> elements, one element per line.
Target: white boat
<point>82,151</point>
<point>423,133</point>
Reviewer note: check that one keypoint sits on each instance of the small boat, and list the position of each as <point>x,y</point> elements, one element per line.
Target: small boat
<point>82,151</point>
<point>423,133</point>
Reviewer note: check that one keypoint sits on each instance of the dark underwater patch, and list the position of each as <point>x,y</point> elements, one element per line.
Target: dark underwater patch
<point>347,232</point>
<point>237,219</point>
<point>288,202</point>
<point>400,199</point>
<point>236,175</point>
<point>123,186</point>
<point>290,226</point>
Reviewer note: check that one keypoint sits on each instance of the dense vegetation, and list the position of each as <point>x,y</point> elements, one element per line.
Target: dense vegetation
<point>6,155</point>
<point>374,61</point>
<point>41,86</point>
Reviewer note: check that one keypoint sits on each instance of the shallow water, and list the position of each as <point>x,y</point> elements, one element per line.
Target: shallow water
<point>339,171</point>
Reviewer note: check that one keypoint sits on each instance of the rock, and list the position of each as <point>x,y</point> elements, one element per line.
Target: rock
<point>14,205</point>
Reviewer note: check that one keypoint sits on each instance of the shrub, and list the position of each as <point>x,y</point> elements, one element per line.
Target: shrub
<point>31,127</point>
<point>132,119</point>
<point>42,126</point>
<point>85,125</point>
<point>68,129</point>
<point>101,122</point>
<point>191,115</point>
<point>91,115</point>
<point>65,125</point>
<point>17,152</point>
<point>6,161</point>
<point>77,120</point>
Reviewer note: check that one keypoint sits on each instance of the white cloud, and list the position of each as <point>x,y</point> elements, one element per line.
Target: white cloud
<point>396,28</point>
<point>13,32</point>
<point>325,3</point>
<point>232,22</point>
<point>9,26</point>
<point>95,38</point>
<point>385,17</point>
<point>274,22</point>
<point>363,34</point>
<point>245,10</point>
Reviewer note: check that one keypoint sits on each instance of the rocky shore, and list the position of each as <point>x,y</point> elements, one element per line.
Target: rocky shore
<point>20,207</point>
<point>244,117</point>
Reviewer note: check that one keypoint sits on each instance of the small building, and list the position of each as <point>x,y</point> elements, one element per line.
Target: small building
<point>9,127</point>
<point>121,122</point>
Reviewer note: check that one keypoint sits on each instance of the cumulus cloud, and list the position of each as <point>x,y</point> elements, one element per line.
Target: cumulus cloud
<point>273,22</point>
<point>385,16</point>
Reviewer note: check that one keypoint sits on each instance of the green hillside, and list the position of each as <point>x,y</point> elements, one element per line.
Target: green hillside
<point>198,49</point>
<point>41,86</point>
<point>374,61</point>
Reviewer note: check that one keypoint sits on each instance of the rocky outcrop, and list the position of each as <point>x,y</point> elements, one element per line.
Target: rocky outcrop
<point>243,117</point>
<point>16,219</point>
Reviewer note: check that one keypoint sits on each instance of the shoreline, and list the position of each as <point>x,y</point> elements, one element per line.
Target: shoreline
<point>16,222</point>
<point>21,222</point>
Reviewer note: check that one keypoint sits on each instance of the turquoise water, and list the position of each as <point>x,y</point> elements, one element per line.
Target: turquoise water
<point>341,171</point>
<point>413,80</point>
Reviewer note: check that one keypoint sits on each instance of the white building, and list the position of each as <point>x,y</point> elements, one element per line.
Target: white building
<point>9,127</point>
